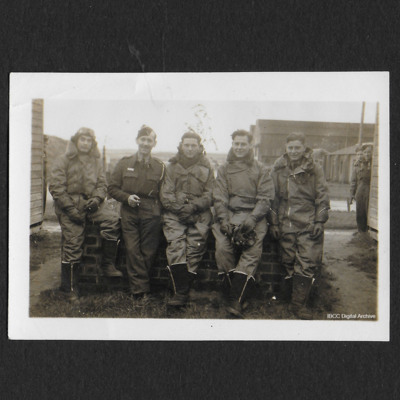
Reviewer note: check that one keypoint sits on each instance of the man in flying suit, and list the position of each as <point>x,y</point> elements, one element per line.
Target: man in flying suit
<point>186,195</point>
<point>298,213</point>
<point>242,195</point>
<point>78,186</point>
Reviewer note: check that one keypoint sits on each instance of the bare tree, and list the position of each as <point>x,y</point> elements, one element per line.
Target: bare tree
<point>202,125</point>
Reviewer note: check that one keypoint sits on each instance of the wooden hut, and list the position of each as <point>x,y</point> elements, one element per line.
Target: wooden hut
<point>38,170</point>
<point>270,136</point>
<point>339,165</point>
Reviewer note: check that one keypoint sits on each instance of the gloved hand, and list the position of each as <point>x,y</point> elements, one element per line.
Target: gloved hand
<point>226,227</point>
<point>275,231</point>
<point>249,223</point>
<point>243,240</point>
<point>92,204</point>
<point>185,214</point>
<point>318,230</point>
<point>75,215</point>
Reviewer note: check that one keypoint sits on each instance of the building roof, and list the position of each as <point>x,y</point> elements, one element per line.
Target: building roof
<point>318,128</point>
<point>346,150</point>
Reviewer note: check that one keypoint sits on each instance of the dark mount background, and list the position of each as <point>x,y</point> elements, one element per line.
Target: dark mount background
<point>206,36</point>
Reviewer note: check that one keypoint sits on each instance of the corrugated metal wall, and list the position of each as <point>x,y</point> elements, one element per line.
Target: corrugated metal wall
<point>37,165</point>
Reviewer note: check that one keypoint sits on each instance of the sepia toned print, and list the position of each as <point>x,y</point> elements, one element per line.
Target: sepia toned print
<point>269,216</point>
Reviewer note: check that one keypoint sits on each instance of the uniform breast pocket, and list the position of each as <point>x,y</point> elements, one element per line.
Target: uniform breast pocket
<point>129,179</point>
<point>152,184</point>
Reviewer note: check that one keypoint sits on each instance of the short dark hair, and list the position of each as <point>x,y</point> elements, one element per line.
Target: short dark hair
<point>366,145</point>
<point>145,131</point>
<point>242,132</point>
<point>296,136</point>
<point>191,135</point>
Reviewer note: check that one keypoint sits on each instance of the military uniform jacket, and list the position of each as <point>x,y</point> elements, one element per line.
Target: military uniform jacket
<point>77,174</point>
<point>301,195</point>
<point>126,180</point>
<point>361,175</point>
<point>187,185</point>
<point>242,185</point>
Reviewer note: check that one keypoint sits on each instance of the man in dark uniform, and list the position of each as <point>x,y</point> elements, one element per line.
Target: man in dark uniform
<point>135,182</point>
<point>360,185</point>
<point>242,196</point>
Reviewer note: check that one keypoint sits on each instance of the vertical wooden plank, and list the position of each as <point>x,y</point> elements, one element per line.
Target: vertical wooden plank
<point>373,193</point>
<point>37,166</point>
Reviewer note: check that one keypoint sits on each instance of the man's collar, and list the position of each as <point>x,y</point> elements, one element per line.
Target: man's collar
<point>138,157</point>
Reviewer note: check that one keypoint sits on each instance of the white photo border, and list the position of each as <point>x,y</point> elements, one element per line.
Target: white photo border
<point>260,86</point>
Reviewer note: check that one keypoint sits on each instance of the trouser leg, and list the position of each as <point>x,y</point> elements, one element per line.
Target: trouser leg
<point>362,201</point>
<point>250,258</point>
<point>73,236</point>
<point>150,239</point>
<point>110,229</point>
<point>196,241</point>
<point>287,251</point>
<point>136,264</point>
<point>309,254</point>
<point>224,251</point>
<point>175,233</point>
<point>108,220</point>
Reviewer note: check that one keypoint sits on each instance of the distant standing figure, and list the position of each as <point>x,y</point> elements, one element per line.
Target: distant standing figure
<point>360,186</point>
<point>297,217</point>
<point>136,182</point>
<point>78,186</point>
<point>186,195</point>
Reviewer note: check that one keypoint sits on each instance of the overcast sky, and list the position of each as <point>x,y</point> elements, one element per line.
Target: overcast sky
<point>116,122</point>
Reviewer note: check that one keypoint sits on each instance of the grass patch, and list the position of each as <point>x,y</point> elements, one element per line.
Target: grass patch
<point>43,245</point>
<point>365,255</point>
<point>341,220</point>
<point>207,304</point>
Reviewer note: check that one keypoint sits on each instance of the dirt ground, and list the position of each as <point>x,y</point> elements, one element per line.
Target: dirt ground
<point>347,287</point>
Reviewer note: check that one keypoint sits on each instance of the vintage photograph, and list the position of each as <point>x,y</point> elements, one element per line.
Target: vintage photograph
<point>183,200</point>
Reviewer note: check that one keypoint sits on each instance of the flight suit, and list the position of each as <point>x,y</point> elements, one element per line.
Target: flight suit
<point>242,187</point>
<point>301,200</point>
<point>76,178</point>
<point>191,185</point>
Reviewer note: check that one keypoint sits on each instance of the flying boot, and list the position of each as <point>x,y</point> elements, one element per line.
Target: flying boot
<point>109,249</point>
<point>240,283</point>
<point>225,282</point>
<point>286,288</point>
<point>301,291</point>
<point>180,283</point>
<point>69,279</point>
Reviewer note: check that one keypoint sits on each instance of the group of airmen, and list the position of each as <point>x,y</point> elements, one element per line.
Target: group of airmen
<point>187,201</point>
